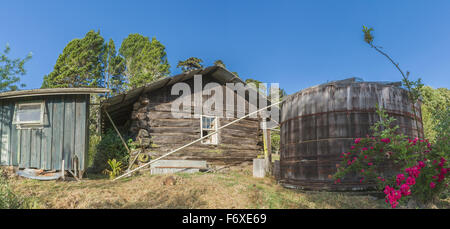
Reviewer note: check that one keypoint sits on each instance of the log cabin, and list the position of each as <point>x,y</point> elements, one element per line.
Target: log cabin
<point>145,115</point>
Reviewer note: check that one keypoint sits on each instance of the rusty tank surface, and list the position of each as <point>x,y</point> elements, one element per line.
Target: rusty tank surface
<point>321,122</point>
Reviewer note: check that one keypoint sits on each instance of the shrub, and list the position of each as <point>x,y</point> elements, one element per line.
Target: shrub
<point>9,200</point>
<point>110,147</point>
<point>116,168</point>
<point>423,168</point>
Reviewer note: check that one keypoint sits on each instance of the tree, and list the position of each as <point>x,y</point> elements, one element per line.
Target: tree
<point>80,64</point>
<point>219,63</point>
<point>145,60</point>
<point>413,87</point>
<point>435,112</point>
<point>114,67</point>
<point>190,64</point>
<point>10,70</point>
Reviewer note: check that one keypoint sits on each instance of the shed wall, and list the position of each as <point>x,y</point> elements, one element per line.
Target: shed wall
<point>63,135</point>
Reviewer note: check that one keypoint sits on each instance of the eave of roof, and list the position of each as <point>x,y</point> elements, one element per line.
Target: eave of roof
<point>52,91</point>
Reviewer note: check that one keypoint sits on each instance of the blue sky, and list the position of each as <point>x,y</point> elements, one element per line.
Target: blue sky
<point>295,43</point>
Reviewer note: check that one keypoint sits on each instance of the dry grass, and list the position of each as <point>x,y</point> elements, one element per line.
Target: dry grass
<point>235,188</point>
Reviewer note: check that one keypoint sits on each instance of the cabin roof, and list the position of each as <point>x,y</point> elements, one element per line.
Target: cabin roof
<point>52,91</point>
<point>222,75</point>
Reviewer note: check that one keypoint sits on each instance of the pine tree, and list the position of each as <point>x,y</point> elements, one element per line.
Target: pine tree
<point>190,63</point>
<point>145,60</point>
<point>80,64</point>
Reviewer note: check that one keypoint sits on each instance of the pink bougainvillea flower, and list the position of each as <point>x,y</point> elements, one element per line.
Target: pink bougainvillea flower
<point>410,181</point>
<point>432,185</point>
<point>357,140</point>
<point>405,190</point>
<point>386,140</point>
<point>352,147</point>
<point>370,164</point>
<point>421,164</point>
<point>364,149</point>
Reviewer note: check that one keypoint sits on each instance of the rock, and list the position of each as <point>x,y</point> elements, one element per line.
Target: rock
<point>145,101</point>
<point>170,181</point>
<point>412,204</point>
<point>134,115</point>
<point>143,133</point>
<point>145,141</point>
<point>136,106</point>
<point>141,116</point>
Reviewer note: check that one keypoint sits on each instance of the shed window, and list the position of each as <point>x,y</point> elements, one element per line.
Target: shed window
<point>208,126</point>
<point>29,113</point>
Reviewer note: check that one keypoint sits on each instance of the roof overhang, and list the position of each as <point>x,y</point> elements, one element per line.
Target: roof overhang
<point>52,91</point>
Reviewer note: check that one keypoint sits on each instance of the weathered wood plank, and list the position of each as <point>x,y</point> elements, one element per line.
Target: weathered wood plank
<point>58,133</point>
<point>36,138</point>
<point>80,130</point>
<point>69,131</point>
<point>46,137</point>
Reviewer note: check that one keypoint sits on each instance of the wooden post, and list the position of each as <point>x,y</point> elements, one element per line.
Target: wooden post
<point>117,131</point>
<point>267,148</point>
<point>62,170</point>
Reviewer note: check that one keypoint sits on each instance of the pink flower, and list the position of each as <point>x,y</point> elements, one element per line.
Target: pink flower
<point>370,164</point>
<point>400,178</point>
<point>386,140</point>
<point>364,149</point>
<point>357,140</point>
<point>405,190</point>
<point>432,185</point>
<point>421,164</point>
<point>352,147</point>
<point>410,181</point>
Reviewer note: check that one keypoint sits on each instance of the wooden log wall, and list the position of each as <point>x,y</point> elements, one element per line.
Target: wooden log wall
<point>153,124</point>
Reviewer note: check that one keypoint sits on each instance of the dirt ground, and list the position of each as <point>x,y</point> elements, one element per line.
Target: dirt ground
<point>234,188</point>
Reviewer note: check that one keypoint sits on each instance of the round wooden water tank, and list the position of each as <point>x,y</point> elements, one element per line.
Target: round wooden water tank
<point>321,122</point>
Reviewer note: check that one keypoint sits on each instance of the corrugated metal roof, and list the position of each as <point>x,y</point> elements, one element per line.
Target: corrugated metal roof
<point>52,91</point>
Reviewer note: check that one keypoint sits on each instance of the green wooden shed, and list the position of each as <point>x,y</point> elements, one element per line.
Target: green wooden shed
<point>42,128</point>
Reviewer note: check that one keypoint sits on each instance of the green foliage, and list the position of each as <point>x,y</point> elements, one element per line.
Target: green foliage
<point>219,63</point>
<point>275,141</point>
<point>190,63</point>
<point>435,112</point>
<point>80,64</point>
<point>368,37</point>
<point>145,60</point>
<point>9,200</point>
<point>94,140</point>
<point>114,67</point>
<point>10,70</point>
<point>116,168</point>
<point>110,147</point>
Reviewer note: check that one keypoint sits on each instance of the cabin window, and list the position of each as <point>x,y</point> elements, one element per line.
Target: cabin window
<point>31,113</point>
<point>209,125</point>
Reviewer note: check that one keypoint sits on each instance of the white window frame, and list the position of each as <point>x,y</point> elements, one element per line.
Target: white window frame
<point>214,139</point>
<point>21,124</point>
